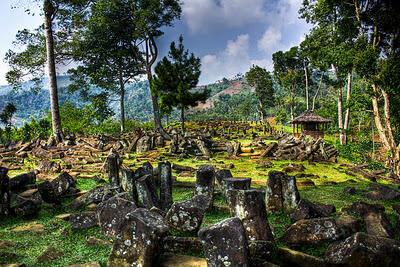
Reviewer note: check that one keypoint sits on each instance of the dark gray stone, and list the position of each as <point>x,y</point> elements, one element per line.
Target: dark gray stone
<point>128,183</point>
<point>4,192</point>
<point>186,216</point>
<point>281,192</point>
<point>165,178</point>
<point>225,243</point>
<point>316,231</point>
<point>112,215</point>
<point>112,167</point>
<point>143,144</point>
<point>221,175</point>
<point>139,242</point>
<point>205,179</point>
<point>364,250</point>
<point>20,181</point>
<point>307,210</point>
<point>147,191</point>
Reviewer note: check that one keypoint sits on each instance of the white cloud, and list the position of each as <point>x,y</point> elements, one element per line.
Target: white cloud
<point>270,41</point>
<point>210,15</point>
<point>263,63</point>
<point>232,60</point>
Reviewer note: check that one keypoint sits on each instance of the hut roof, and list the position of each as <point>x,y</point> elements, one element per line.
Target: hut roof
<point>309,116</point>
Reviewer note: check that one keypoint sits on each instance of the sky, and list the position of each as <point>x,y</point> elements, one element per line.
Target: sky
<point>228,35</point>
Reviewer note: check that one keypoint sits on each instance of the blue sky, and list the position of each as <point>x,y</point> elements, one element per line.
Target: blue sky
<point>228,35</point>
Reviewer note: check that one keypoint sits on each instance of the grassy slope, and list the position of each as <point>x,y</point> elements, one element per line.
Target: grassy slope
<point>72,242</point>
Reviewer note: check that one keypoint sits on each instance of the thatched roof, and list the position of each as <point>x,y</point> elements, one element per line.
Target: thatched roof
<point>309,116</point>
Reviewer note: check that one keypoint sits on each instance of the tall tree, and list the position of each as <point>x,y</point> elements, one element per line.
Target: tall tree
<point>107,49</point>
<point>40,50</point>
<point>288,72</point>
<point>335,29</point>
<point>378,62</point>
<point>153,16</point>
<point>175,79</point>
<point>261,79</point>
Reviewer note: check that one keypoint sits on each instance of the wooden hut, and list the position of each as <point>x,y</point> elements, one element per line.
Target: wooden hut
<point>310,124</point>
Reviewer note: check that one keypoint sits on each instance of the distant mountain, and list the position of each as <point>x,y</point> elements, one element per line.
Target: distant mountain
<point>138,103</point>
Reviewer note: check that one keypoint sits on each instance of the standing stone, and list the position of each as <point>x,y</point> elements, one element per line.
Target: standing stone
<point>225,243</point>
<point>165,178</point>
<point>140,241</point>
<point>205,179</point>
<point>229,148</point>
<point>143,144</point>
<point>281,192</point>
<point>250,209</point>
<point>186,216</point>
<point>221,175</point>
<point>112,167</point>
<point>147,191</point>
<point>4,192</point>
<point>128,183</point>
<point>230,187</point>
<point>112,215</point>
<point>236,148</point>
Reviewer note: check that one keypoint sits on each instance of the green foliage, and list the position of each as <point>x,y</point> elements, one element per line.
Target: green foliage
<point>262,81</point>
<point>34,128</point>
<point>6,118</point>
<point>175,79</point>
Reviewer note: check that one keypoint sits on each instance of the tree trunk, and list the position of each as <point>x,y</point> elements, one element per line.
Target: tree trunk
<point>306,74</point>
<point>122,102</point>
<point>183,120</point>
<point>316,93</point>
<point>347,113</point>
<point>292,104</point>
<point>340,116</point>
<point>151,50</point>
<point>49,11</point>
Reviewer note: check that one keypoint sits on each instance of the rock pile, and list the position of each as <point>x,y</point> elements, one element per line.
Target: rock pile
<point>290,148</point>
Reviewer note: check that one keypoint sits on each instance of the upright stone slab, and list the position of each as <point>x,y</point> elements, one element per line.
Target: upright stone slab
<point>147,191</point>
<point>143,144</point>
<point>186,216</point>
<point>250,209</point>
<point>230,188</point>
<point>281,192</point>
<point>112,215</point>
<point>128,183</point>
<point>4,192</point>
<point>225,243</point>
<point>221,175</point>
<point>205,179</point>
<point>112,167</point>
<point>165,178</point>
<point>140,240</point>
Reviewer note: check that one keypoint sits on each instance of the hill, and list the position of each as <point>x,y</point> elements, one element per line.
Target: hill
<point>138,99</point>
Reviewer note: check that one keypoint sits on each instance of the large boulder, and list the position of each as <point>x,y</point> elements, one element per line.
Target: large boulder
<point>52,191</point>
<point>186,216</point>
<point>20,181</point>
<point>225,243</point>
<point>221,175</point>
<point>364,250</point>
<point>139,242</point>
<point>307,210</point>
<point>112,215</point>
<point>281,192</point>
<point>317,231</point>
<point>376,221</point>
<point>381,193</point>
